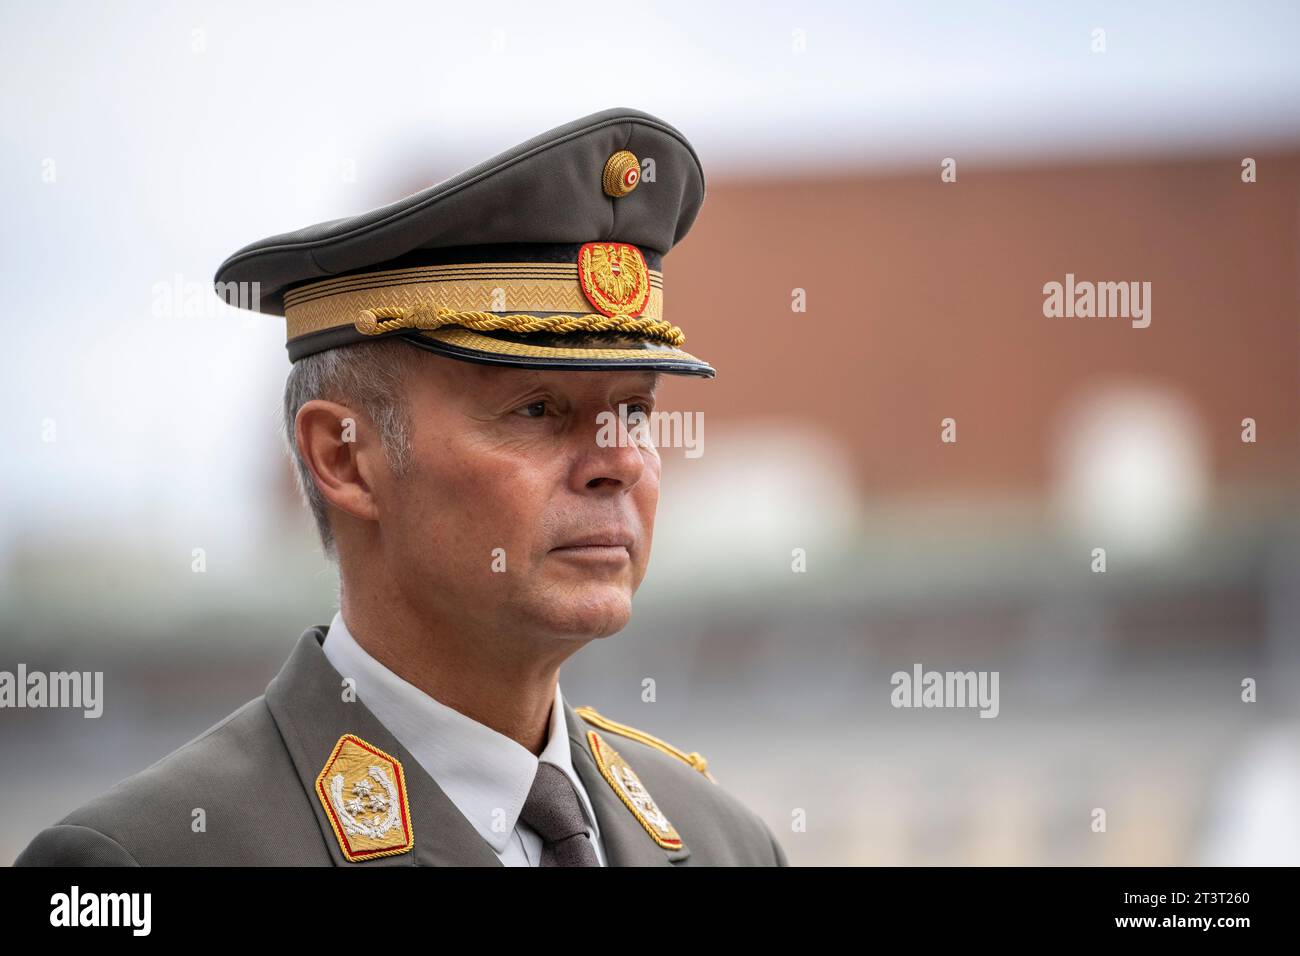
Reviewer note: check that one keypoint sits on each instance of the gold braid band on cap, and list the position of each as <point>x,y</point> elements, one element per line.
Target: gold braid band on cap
<point>379,320</point>
<point>518,297</point>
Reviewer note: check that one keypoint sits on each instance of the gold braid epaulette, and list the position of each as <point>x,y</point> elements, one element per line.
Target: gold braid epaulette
<point>696,760</point>
<point>386,319</point>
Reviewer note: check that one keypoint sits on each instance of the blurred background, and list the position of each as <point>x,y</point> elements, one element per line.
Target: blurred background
<point>143,143</point>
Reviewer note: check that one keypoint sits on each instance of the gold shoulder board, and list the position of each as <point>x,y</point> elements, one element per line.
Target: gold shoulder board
<point>696,760</point>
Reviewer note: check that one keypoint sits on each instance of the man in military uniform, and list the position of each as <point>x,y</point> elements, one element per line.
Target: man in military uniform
<point>454,356</point>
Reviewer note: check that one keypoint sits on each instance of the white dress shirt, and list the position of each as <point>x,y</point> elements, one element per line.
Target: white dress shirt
<point>486,774</point>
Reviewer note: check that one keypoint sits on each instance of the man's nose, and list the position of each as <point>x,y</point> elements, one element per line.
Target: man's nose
<point>611,454</point>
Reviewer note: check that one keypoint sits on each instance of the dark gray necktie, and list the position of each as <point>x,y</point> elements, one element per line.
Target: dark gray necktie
<point>553,810</point>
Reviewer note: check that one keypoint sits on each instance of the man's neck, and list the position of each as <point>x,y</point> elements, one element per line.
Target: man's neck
<point>487,678</point>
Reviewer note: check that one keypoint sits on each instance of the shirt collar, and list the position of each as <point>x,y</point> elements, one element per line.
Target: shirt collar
<point>485,773</point>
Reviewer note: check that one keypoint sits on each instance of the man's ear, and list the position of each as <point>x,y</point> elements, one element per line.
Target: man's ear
<point>341,449</point>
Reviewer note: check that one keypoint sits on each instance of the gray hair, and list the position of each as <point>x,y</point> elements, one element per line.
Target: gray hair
<point>367,374</point>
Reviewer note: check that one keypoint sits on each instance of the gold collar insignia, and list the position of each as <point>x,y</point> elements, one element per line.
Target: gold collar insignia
<point>633,793</point>
<point>363,791</point>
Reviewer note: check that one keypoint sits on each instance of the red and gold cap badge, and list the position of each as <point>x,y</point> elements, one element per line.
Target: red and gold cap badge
<point>614,278</point>
<point>621,175</point>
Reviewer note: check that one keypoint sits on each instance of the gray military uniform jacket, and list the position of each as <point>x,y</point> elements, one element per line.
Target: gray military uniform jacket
<point>254,776</point>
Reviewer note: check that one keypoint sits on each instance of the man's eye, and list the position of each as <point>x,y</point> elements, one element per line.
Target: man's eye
<point>639,408</point>
<point>533,409</point>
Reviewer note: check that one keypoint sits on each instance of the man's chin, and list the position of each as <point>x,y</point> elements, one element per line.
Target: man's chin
<point>589,612</point>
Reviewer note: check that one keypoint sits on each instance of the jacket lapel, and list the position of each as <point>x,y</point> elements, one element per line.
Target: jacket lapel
<point>306,700</point>
<point>625,841</point>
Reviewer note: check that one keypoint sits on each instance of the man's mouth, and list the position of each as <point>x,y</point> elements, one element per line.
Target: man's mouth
<point>601,545</point>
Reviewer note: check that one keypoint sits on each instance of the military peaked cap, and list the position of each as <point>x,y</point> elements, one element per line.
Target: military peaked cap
<point>549,255</point>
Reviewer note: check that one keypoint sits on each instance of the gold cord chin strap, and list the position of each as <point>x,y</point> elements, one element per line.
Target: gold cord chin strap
<point>386,319</point>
